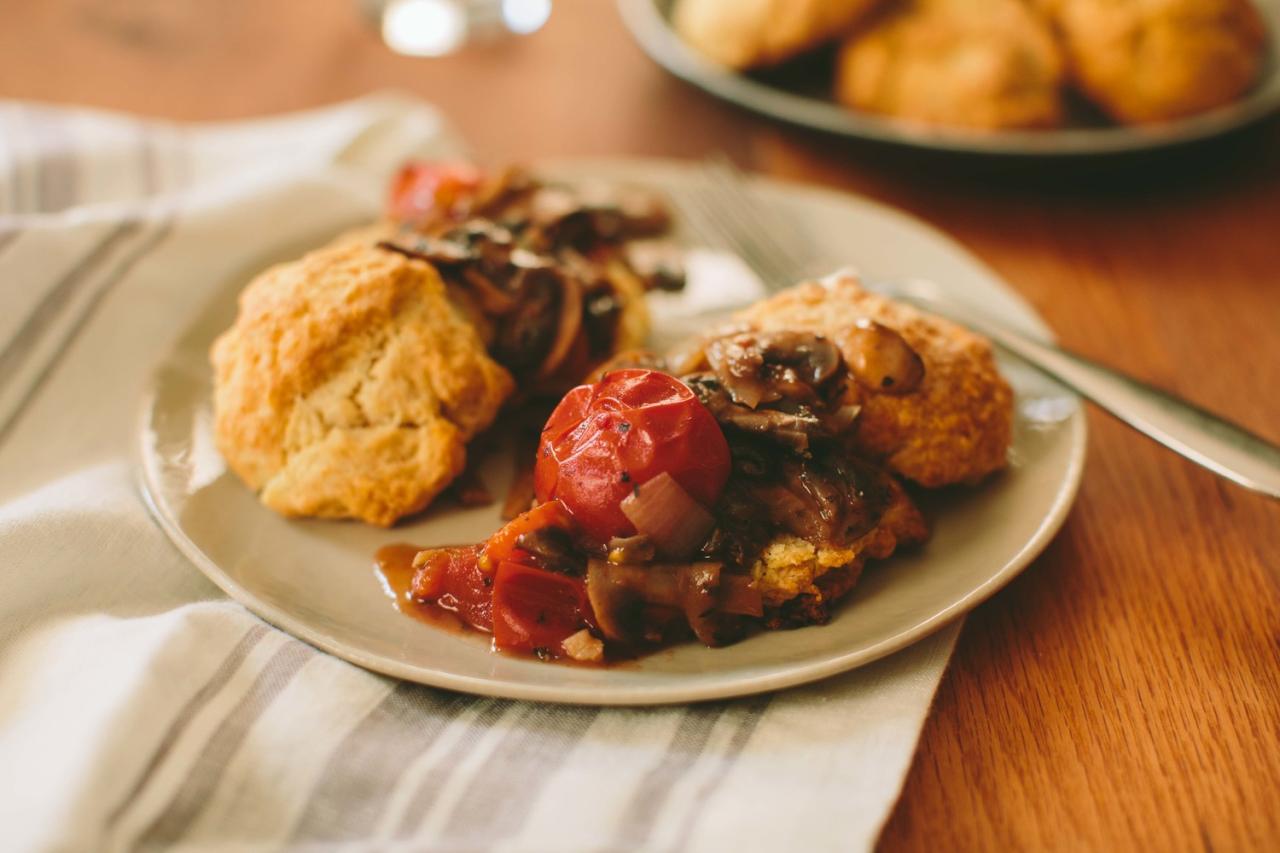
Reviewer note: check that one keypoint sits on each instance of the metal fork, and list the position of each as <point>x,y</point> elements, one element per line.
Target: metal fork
<point>721,209</point>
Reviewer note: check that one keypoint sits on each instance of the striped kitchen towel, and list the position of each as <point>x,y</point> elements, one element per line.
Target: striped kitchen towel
<point>140,709</point>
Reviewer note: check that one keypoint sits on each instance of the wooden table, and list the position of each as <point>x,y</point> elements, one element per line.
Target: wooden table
<point>1126,688</point>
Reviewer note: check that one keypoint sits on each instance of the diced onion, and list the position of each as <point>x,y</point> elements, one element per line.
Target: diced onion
<point>663,511</point>
<point>584,646</point>
<point>567,327</point>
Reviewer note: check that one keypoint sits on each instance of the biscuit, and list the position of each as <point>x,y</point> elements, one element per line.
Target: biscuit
<point>751,33</point>
<point>986,65</point>
<point>1154,60</point>
<point>955,427</point>
<point>790,567</point>
<point>349,385</point>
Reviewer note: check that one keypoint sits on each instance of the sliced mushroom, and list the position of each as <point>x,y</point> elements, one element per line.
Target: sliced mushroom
<point>791,424</point>
<point>738,595</point>
<point>738,361</point>
<point>619,592</point>
<point>779,426</point>
<point>552,549</point>
<point>431,249</point>
<point>814,358</point>
<point>688,357</point>
<point>644,213</point>
<point>882,360</point>
<point>763,367</point>
<point>478,232</point>
<point>631,549</point>
<point>501,189</point>
<point>550,204</point>
<point>526,333</point>
<point>659,264</point>
<point>622,594</point>
<point>699,588</point>
<point>524,259</point>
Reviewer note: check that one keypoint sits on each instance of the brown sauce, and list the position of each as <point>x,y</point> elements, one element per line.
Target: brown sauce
<point>393,568</point>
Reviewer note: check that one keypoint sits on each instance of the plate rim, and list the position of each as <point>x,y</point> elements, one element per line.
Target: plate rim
<point>149,478</point>
<point>655,37</point>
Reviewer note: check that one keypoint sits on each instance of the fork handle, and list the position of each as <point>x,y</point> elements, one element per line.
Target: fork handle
<point>1200,436</point>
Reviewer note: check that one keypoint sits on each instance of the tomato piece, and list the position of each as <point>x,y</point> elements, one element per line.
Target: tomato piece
<point>534,609</point>
<point>451,579</point>
<point>422,191</point>
<point>605,439</point>
<point>502,545</point>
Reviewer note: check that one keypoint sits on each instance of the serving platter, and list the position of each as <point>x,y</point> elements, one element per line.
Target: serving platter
<point>799,99</point>
<point>316,579</point>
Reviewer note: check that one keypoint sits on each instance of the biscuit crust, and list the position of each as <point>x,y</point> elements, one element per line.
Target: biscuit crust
<point>1154,60</point>
<point>349,385</point>
<point>751,33</point>
<point>808,577</point>
<point>956,427</point>
<point>987,65</point>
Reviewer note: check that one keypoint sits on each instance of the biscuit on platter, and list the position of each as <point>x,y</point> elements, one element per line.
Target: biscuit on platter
<point>350,384</point>
<point>986,65</point>
<point>752,33</point>
<point>955,427</point>
<point>1154,60</point>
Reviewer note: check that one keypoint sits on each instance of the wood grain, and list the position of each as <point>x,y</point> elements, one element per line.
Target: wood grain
<point>1125,690</point>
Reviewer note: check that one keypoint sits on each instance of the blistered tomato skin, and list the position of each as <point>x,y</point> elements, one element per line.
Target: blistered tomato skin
<point>604,440</point>
<point>422,190</point>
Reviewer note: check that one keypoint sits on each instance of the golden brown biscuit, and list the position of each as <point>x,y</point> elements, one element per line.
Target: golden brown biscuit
<point>989,65</point>
<point>349,385</point>
<point>752,33</point>
<point>790,567</point>
<point>1153,60</point>
<point>955,427</point>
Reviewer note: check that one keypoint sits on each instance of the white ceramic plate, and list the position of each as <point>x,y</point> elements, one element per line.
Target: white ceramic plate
<point>315,579</point>
<point>811,106</point>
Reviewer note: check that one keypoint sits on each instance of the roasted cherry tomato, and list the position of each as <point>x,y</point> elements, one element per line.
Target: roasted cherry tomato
<point>425,190</point>
<point>605,439</point>
<point>502,545</point>
<point>535,610</point>
<point>451,579</point>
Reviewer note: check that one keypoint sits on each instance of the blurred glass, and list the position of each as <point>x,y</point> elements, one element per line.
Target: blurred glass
<point>441,27</point>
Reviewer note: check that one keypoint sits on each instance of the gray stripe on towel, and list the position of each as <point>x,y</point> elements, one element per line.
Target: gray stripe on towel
<point>185,805</point>
<point>498,800</point>
<point>220,678</point>
<point>370,761</point>
<point>120,271</point>
<point>650,796</point>
<point>429,789</point>
<point>51,305</point>
<point>754,710</point>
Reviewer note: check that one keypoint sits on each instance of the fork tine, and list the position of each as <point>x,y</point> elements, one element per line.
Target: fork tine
<point>764,228</point>
<point>691,217</point>
<point>745,242</point>
<point>754,249</point>
<point>732,184</point>
<point>706,219</point>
